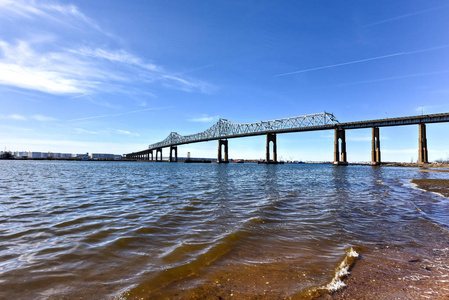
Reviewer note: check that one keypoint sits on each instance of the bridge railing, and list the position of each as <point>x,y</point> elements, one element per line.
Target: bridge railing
<point>226,129</point>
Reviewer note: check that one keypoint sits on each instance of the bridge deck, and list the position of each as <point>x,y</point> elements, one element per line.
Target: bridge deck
<point>315,122</point>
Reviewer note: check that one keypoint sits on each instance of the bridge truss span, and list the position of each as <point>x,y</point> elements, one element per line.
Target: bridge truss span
<point>226,129</point>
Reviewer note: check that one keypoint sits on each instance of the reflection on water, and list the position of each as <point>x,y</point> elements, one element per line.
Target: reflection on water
<point>130,229</point>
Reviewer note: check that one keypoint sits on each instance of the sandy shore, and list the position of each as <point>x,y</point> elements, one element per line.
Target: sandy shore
<point>393,273</point>
<point>440,186</point>
<point>417,272</point>
<point>416,165</point>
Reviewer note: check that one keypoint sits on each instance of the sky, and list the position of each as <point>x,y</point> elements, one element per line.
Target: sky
<point>111,76</point>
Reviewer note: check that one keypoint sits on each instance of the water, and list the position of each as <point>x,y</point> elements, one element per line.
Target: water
<point>166,230</point>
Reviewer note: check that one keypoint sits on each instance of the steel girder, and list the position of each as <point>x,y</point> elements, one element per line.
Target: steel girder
<point>226,129</point>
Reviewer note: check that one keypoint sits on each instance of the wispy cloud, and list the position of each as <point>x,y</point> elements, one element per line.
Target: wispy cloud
<point>363,60</point>
<point>22,67</point>
<point>42,118</point>
<point>389,79</point>
<point>126,132</point>
<point>82,131</point>
<point>13,117</point>
<point>18,117</point>
<point>186,84</point>
<point>405,16</point>
<point>48,65</point>
<point>204,118</point>
<point>428,109</point>
<point>365,138</point>
<point>119,56</point>
<point>69,15</point>
<point>118,114</point>
<point>339,65</point>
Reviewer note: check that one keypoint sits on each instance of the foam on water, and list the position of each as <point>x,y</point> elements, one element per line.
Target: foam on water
<point>342,271</point>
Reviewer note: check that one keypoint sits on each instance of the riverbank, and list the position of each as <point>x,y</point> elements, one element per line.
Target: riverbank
<point>415,165</point>
<point>418,272</point>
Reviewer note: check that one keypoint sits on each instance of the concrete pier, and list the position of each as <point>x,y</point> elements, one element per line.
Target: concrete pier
<point>220,159</point>
<point>158,151</point>
<point>375,147</point>
<point>271,137</point>
<point>340,154</point>
<point>173,149</point>
<point>422,152</point>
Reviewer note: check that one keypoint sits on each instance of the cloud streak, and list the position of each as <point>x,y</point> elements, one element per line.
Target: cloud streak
<point>204,119</point>
<point>363,60</point>
<point>68,15</point>
<point>117,114</point>
<point>13,117</point>
<point>405,16</point>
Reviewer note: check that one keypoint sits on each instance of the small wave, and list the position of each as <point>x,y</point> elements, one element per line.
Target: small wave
<point>193,266</point>
<point>340,273</point>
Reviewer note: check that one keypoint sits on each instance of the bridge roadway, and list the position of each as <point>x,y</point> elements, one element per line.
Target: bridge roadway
<point>225,129</point>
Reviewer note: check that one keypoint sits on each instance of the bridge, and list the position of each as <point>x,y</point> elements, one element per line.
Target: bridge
<point>224,130</point>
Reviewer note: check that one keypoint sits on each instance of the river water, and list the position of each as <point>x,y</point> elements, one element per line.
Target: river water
<point>172,230</point>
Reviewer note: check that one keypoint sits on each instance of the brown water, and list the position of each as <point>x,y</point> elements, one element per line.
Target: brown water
<point>165,230</point>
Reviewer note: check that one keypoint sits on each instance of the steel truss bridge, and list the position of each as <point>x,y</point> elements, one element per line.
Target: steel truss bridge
<point>224,129</point>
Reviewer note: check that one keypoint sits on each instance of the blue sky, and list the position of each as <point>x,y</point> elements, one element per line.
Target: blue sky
<point>114,76</point>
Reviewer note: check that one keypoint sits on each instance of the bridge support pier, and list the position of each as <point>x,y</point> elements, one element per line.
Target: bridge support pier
<point>158,150</point>
<point>422,154</point>
<point>219,157</point>
<point>375,147</point>
<point>271,137</point>
<point>340,159</point>
<point>150,155</point>
<point>175,149</point>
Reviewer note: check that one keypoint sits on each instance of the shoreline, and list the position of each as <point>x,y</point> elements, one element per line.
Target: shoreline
<point>412,272</point>
<point>398,272</point>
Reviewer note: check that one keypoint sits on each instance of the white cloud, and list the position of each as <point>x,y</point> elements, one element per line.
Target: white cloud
<point>13,117</point>
<point>84,71</point>
<point>120,56</point>
<point>63,14</point>
<point>81,131</point>
<point>22,67</point>
<point>49,66</point>
<point>185,84</point>
<point>205,119</point>
<point>119,114</point>
<point>43,118</point>
<point>399,151</point>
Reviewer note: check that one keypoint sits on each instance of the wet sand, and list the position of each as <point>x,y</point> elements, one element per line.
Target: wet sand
<point>393,273</point>
<point>418,272</point>
<point>440,186</point>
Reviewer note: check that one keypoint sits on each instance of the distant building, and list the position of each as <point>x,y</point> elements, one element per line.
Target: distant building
<point>57,155</point>
<point>22,154</point>
<point>99,156</point>
<point>36,155</point>
<point>83,156</point>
